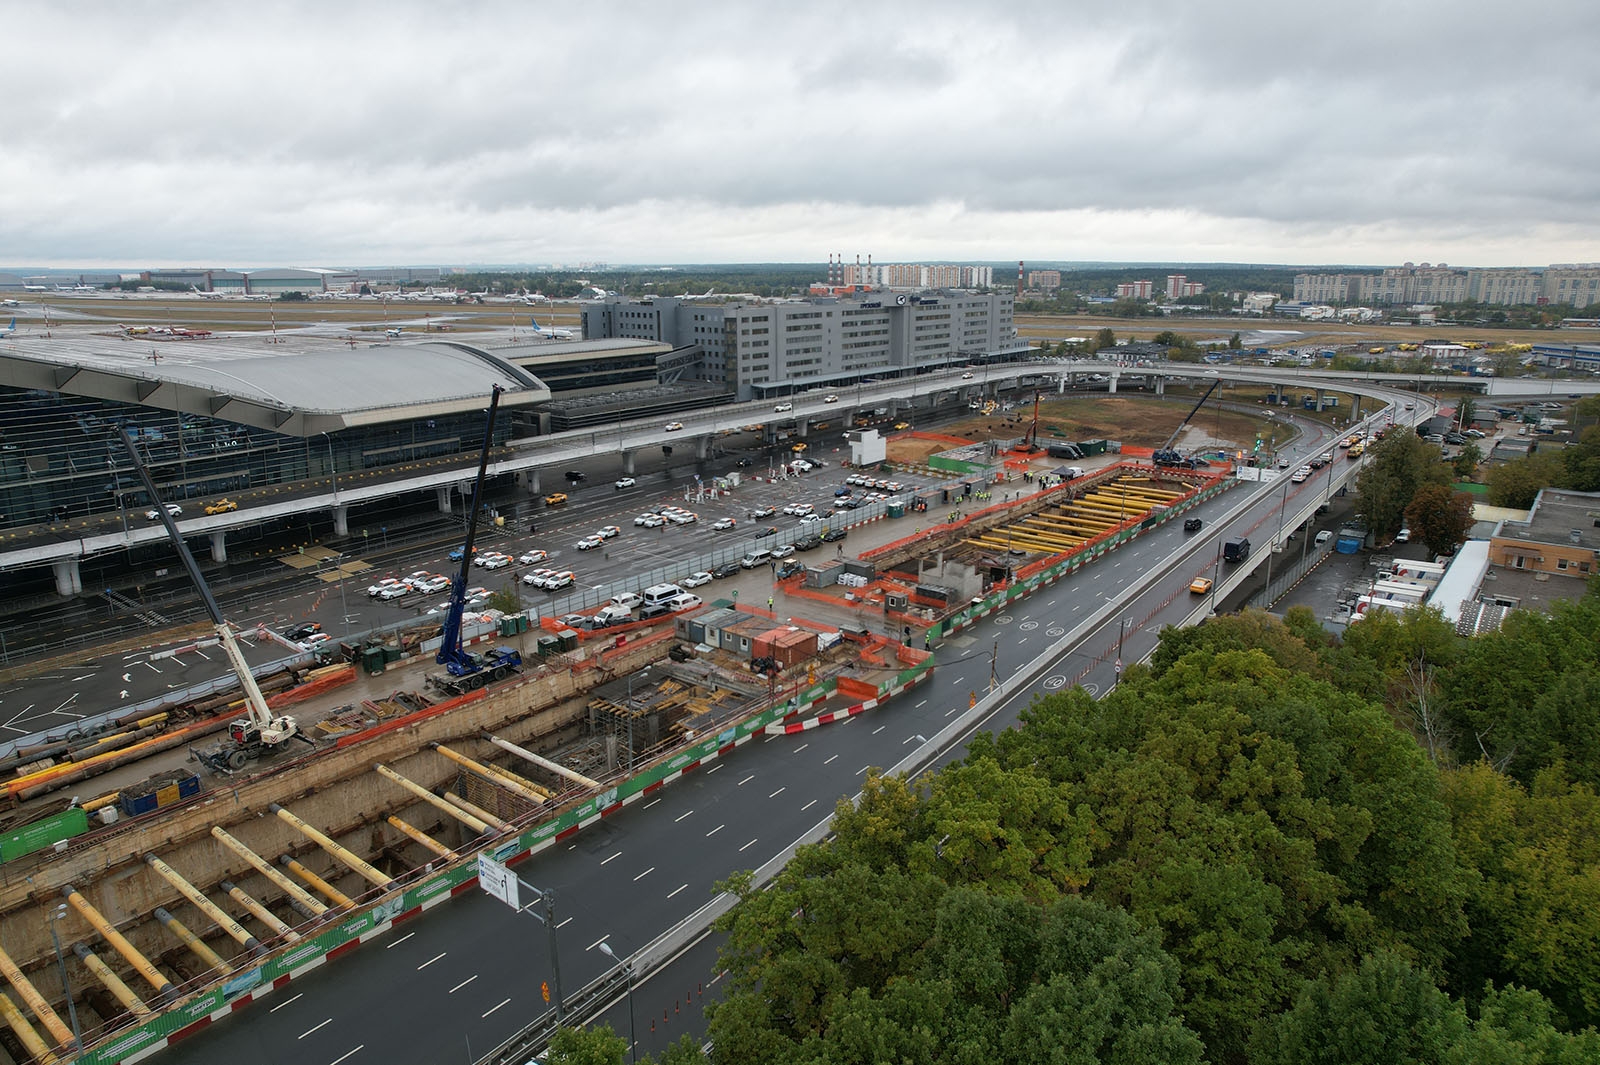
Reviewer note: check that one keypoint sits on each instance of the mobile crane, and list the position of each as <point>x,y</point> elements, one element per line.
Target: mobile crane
<point>464,670</point>
<point>258,732</point>
<point>1165,455</point>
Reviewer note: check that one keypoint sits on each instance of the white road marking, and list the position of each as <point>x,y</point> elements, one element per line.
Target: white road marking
<point>675,890</point>
<point>863,769</point>
<point>644,874</point>
<point>652,802</point>
<point>462,984</point>
<point>502,1003</point>
<point>564,924</point>
<point>391,946</point>
<point>714,831</point>
<point>681,816</point>
<point>612,858</point>
<point>920,705</point>
<point>879,729</point>
<point>747,846</point>
<point>597,942</point>
<point>808,806</point>
<point>352,1053</point>
<point>75,680</point>
<point>308,1031</point>
<point>291,1002</point>
<point>830,758</point>
<point>714,768</point>
<point>802,747</point>
<point>746,780</point>
<point>431,960</point>
<point>780,791</point>
<point>152,666</point>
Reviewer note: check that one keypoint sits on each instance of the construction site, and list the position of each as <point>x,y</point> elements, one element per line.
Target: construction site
<point>167,895</point>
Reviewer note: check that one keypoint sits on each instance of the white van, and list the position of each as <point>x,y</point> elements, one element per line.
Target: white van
<point>660,594</point>
<point>1323,537</point>
<point>626,600</point>
<point>686,601</point>
<point>759,557</point>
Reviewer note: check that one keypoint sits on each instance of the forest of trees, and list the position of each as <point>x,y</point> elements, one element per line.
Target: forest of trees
<point>1267,847</point>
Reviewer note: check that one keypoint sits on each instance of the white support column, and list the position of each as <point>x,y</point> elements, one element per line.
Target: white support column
<point>443,495</point>
<point>68,580</point>
<point>341,520</point>
<point>219,546</point>
<point>703,446</point>
<point>1111,389</point>
<point>627,463</point>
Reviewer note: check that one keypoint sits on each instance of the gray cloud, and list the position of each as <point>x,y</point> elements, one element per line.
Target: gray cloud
<point>407,131</point>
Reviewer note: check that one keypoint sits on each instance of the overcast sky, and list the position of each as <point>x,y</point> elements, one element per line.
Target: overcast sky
<point>342,134</point>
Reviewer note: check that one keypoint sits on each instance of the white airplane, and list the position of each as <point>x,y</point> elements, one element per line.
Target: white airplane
<point>256,295</point>
<point>394,334</point>
<point>552,333</point>
<point>10,303</point>
<point>34,288</point>
<point>205,295</point>
<point>10,329</point>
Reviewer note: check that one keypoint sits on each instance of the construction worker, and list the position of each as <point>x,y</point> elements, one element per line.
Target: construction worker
<point>769,602</point>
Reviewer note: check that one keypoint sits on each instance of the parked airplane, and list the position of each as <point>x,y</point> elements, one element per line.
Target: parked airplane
<point>10,303</point>
<point>10,329</point>
<point>34,288</point>
<point>552,333</point>
<point>213,295</point>
<point>394,334</point>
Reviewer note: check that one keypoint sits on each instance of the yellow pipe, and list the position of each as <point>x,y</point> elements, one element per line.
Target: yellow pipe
<point>504,778</point>
<point>433,800</point>
<point>438,849</point>
<point>119,943</point>
<point>38,1050</point>
<point>377,877</point>
<point>111,981</point>
<point>34,1001</point>
<point>262,914</point>
<point>239,933</point>
<point>476,811</point>
<point>333,894</point>
<point>192,941</point>
<point>303,900</point>
<point>100,801</point>
<point>554,767</point>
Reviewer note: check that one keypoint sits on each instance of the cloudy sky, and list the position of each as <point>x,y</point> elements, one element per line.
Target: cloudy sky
<point>442,133</point>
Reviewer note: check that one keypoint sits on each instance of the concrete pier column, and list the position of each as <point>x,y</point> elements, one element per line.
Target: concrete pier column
<point>1320,394</point>
<point>341,520</point>
<point>1111,389</point>
<point>443,495</point>
<point>702,446</point>
<point>68,580</point>
<point>627,463</point>
<point>533,482</point>
<point>219,546</point>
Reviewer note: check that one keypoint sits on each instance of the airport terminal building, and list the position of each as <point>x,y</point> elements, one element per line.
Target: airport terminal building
<point>755,350</point>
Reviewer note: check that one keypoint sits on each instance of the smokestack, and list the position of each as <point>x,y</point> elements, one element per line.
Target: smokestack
<point>1019,279</point>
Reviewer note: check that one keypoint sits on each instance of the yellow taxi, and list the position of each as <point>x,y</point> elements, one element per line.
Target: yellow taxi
<point>1200,585</point>
<point>555,499</point>
<point>221,506</point>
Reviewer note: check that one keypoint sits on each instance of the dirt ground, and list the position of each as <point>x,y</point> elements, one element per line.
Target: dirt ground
<point>1139,422</point>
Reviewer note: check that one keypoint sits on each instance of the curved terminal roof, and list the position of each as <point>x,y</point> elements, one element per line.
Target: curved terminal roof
<point>300,387</point>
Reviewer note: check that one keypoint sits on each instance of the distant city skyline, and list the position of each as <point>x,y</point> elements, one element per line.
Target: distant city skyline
<point>405,133</point>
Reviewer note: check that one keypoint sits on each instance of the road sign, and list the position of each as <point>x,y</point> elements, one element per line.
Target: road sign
<point>544,989</point>
<point>498,880</point>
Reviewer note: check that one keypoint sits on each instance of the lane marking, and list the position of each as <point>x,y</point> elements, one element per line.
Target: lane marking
<point>780,791</point>
<point>920,705</point>
<point>652,802</point>
<point>564,924</point>
<point>802,747</point>
<point>714,768</point>
<point>431,960</point>
<point>747,846</point>
<point>389,946</point>
<point>746,780</point>
<point>831,758</point>
<point>352,1053</point>
<point>597,942</point>
<point>324,1024</point>
<point>291,1002</point>
<point>502,1003</point>
<point>614,856</point>
<point>462,984</point>
<point>644,874</point>
<point>675,890</point>
<point>879,729</point>
<point>681,816</point>
<point>863,769</point>
<point>808,806</point>
<point>714,831</point>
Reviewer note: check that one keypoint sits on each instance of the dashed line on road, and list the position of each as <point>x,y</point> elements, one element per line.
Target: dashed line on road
<point>291,1002</point>
<point>746,780</point>
<point>830,758</point>
<point>802,747</point>
<point>391,946</point>
<point>612,858</point>
<point>808,806</point>
<point>675,890</point>
<point>747,846</point>
<point>308,1031</point>
<point>681,816</point>
<point>780,791</point>
<point>714,831</point>
<point>564,924</point>
<point>431,960</point>
<point>879,729</point>
<point>502,1003</point>
<point>652,802</point>
<point>644,874</point>
<point>920,705</point>
<point>714,768</point>
<point>350,1054</point>
<point>462,984</point>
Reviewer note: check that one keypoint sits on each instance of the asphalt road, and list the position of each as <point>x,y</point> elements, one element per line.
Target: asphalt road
<point>476,978</point>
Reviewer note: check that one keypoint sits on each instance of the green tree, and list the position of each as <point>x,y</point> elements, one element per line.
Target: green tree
<point>1580,462</point>
<point>1440,516</point>
<point>685,1051</point>
<point>1517,483</point>
<point>586,1046</point>
<point>505,599</point>
<point>1104,338</point>
<point>1516,1026</point>
<point>1466,410</point>
<point>1467,461</point>
<point>1385,1012</point>
<point>1401,464</point>
<point>1234,343</point>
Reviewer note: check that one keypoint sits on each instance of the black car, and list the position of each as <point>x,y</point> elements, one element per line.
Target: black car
<point>1191,525</point>
<point>849,504</point>
<point>770,530</point>
<point>727,569</point>
<point>1454,438</point>
<point>300,632</point>
<point>808,543</point>
<point>834,536</point>
<point>577,475</point>
<point>790,567</point>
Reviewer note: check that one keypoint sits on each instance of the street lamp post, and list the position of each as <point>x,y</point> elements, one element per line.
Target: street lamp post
<point>66,987</point>
<point>333,467</point>
<point>1122,628</point>
<point>627,967</point>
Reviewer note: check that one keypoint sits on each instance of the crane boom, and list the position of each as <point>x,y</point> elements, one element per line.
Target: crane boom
<point>451,655</point>
<point>1164,455</point>
<point>272,730</point>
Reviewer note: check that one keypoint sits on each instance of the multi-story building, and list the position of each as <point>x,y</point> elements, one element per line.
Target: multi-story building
<point>771,348</point>
<point>1135,290</point>
<point>1328,288</point>
<point>1045,280</point>
<point>906,275</point>
<point>1577,284</point>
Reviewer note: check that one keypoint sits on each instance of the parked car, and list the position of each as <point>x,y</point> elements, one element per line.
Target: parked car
<point>834,536</point>
<point>811,519</point>
<point>763,512</point>
<point>627,600</point>
<point>589,543</point>
<point>300,632</point>
<point>650,521</point>
<point>535,578</point>
<point>436,583</point>
<point>394,591</point>
<point>456,553</point>
<point>808,543</point>
<point>495,560</point>
<point>727,569</point>
<point>843,490</point>
<point>172,508</point>
<point>376,590</point>
<point>625,482</point>
<point>783,551</point>
<point>695,580</point>
<point>313,639</point>
<point>724,523</point>
<point>562,579</point>
<point>607,532</point>
<point>532,556</point>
